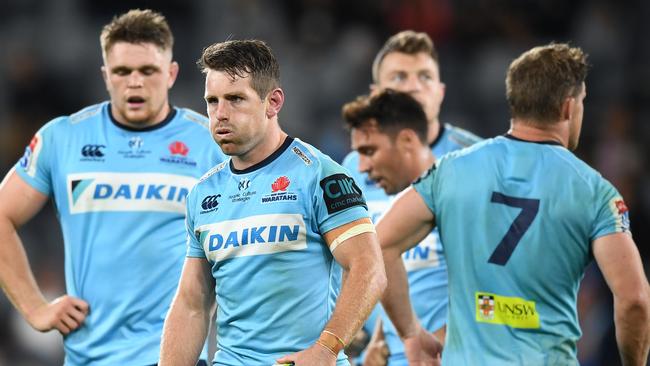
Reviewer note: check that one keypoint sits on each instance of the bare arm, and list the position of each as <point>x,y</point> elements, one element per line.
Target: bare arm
<point>363,268</point>
<point>188,320</point>
<point>619,260</point>
<point>403,226</point>
<point>364,283</point>
<point>19,202</point>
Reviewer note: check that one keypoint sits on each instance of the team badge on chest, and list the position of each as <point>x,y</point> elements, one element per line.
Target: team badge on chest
<point>280,192</point>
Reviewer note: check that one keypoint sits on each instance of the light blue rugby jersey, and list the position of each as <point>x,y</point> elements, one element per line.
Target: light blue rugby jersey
<point>517,220</point>
<point>425,263</point>
<point>261,230</point>
<point>120,195</point>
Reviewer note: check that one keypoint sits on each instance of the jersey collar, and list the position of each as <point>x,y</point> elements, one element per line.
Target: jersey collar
<point>547,142</point>
<point>163,123</point>
<point>441,131</point>
<point>268,160</point>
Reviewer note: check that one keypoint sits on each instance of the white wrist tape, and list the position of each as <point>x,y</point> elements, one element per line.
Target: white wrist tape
<point>351,232</point>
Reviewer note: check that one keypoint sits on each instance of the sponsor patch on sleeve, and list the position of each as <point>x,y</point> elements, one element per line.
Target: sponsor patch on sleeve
<point>514,312</point>
<point>621,213</point>
<point>30,157</point>
<point>340,192</point>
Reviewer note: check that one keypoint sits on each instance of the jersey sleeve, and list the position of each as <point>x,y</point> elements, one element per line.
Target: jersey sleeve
<point>35,166</point>
<point>194,246</point>
<point>612,215</point>
<point>426,186</point>
<point>338,199</point>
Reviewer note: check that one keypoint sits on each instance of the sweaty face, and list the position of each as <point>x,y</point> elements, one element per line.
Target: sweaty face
<point>237,114</point>
<point>380,158</point>
<point>138,78</point>
<point>575,125</point>
<point>417,75</point>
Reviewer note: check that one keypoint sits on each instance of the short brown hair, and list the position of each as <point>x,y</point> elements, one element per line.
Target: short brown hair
<point>137,26</point>
<point>393,111</point>
<point>408,42</point>
<point>241,57</point>
<point>541,78</point>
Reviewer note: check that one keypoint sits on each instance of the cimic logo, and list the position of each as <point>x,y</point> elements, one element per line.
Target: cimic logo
<point>210,203</point>
<point>92,151</point>
<point>254,235</point>
<point>341,192</point>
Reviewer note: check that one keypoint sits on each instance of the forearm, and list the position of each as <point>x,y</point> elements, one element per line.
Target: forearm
<point>184,334</point>
<point>361,291</point>
<point>396,301</point>
<point>632,328</point>
<point>16,277</point>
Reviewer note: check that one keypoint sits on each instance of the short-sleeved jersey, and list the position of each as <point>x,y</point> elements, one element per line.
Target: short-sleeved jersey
<point>261,229</point>
<point>120,196</point>
<point>517,220</point>
<point>425,263</point>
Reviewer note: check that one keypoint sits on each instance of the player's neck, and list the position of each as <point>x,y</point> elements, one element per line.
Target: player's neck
<point>425,160</point>
<point>274,139</point>
<point>157,119</point>
<point>525,130</point>
<point>434,131</point>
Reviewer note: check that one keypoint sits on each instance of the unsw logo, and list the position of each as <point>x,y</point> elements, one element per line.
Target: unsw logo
<point>210,203</point>
<point>514,312</point>
<point>279,191</point>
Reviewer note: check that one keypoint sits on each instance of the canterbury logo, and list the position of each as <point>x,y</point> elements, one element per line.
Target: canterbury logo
<point>210,202</point>
<point>93,151</point>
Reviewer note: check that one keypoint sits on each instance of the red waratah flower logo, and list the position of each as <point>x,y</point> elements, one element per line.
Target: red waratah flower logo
<point>280,184</point>
<point>178,148</point>
<point>33,142</point>
<point>620,205</point>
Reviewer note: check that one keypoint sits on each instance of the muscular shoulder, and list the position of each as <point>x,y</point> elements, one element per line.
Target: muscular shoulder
<point>193,118</point>
<point>460,137</point>
<point>314,162</point>
<point>59,126</point>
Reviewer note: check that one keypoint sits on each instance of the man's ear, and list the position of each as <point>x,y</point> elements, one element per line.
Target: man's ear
<point>374,89</point>
<point>567,108</point>
<point>173,74</point>
<point>276,100</point>
<point>406,139</point>
<point>104,72</point>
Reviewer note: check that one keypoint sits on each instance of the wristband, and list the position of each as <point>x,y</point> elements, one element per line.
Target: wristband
<point>331,341</point>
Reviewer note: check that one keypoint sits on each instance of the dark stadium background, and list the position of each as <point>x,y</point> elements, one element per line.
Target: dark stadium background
<point>50,66</point>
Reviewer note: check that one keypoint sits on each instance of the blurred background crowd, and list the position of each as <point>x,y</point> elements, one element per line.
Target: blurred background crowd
<point>50,67</point>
